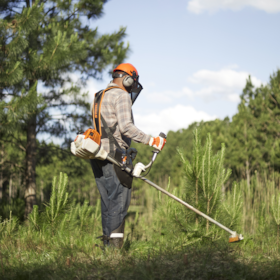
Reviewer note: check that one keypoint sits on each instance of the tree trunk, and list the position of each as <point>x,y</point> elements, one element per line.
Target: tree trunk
<point>30,172</point>
<point>30,175</point>
<point>42,192</point>
<point>18,192</point>
<point>1,184</point>
<point>1,173</point>
<point>10,188</point>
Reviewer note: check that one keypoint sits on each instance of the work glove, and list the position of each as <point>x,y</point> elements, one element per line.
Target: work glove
<point>157,142</point>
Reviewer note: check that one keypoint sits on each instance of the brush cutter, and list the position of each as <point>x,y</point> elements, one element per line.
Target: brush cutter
<point>87,146</point>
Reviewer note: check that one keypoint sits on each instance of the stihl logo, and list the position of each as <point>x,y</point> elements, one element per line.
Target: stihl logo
<point>95,111</point>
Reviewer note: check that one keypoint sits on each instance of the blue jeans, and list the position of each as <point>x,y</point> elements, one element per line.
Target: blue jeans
<point>115,198</point>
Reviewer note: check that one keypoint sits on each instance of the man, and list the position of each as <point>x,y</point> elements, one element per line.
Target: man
<point>114,119</point>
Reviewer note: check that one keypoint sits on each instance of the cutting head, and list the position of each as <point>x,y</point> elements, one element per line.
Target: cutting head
<point>235,238</point>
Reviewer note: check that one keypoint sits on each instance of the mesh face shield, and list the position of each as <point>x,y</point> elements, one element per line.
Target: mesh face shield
<point>136,88</point>
<point>135,91</point>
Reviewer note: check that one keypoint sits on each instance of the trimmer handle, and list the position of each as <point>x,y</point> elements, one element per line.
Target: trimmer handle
<point>140,167</point>
<point>162,135</point>
<point>157,151</point>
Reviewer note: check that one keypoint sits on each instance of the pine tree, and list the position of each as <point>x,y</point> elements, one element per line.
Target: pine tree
<point>266,109</point>
<point>193,172</point>
<point>205,176</point>
<point>255,138</point>
<point>243,145</point>
<point>44,41</point>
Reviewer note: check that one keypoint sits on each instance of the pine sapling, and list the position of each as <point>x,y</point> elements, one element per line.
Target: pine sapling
<point>197,166</point>
<point>84,213</point>
<point>213,177</point>
<point>8,226</point>
<point>33,217</point>
<point>58,199</point>
<point>193,170</point>
<point>233,203</point>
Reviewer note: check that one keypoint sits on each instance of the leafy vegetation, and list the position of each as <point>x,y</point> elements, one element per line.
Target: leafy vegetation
<point>163,238</point>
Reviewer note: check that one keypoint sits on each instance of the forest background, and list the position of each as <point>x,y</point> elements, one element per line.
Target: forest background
<point>47,41</point>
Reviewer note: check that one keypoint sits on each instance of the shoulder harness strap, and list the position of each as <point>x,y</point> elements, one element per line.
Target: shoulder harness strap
<point>105,131</point>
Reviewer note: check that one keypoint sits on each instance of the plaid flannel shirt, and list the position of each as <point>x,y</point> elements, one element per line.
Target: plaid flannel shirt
<point>116,108</point>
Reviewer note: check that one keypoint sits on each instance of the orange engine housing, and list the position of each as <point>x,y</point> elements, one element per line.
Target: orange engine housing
<point>93,135</point>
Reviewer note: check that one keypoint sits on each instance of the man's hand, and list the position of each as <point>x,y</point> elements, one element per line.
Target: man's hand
<point>132,153</point>
<point>157,142</point>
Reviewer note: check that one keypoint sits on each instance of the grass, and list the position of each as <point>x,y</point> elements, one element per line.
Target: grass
<point>164,240</point>
<point>150,251</point>
<point>213,260</point>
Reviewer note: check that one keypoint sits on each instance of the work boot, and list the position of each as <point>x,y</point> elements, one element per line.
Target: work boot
<point>116,242</point>
<point>105,240</point>
<point>116,237</point>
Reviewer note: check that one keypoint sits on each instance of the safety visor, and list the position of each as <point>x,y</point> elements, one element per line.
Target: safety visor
<point>135,91</point>
<point>136,87</point>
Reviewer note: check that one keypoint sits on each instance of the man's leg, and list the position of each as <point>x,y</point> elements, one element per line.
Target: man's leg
<point>118,203</point>
<point>115,200</point>
<point>101,182</point>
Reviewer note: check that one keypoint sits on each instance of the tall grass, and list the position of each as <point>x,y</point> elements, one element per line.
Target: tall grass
<point>162,239</point>
<point>257,214</point>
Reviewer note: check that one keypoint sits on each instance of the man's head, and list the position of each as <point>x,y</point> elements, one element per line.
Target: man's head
<point>126,76</point>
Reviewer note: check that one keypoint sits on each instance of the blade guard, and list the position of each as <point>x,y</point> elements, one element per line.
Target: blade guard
<point>235,237</point>
<point>88,146</point>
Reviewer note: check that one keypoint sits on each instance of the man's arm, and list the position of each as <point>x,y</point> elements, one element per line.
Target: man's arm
<point>124,117</point>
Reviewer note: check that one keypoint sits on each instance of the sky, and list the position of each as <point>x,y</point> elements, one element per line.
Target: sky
<point>193,57</point>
